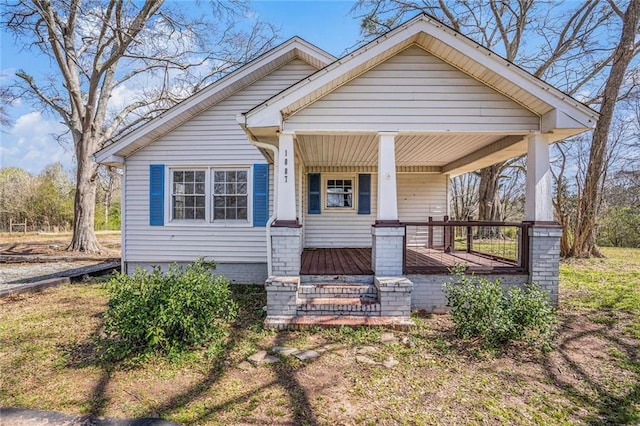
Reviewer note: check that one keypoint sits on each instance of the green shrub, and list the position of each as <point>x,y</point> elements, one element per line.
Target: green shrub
<point>481,309</point>
<point>167,312</point>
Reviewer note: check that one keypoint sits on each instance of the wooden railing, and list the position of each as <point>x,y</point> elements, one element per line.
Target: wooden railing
<point>483,247</point>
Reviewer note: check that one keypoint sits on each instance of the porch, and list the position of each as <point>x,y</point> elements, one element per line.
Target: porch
<point>434,248</point>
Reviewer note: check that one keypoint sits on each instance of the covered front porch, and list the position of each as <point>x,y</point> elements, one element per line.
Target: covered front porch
<point>363,152</point>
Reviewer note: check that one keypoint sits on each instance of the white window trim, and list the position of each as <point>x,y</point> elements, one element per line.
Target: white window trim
<point>326,177</point>
<point>208,222</point>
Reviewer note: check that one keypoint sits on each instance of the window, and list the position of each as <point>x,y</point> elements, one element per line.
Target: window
<point>339,193</point>
<point>188,195</point>
<point>230,195</point>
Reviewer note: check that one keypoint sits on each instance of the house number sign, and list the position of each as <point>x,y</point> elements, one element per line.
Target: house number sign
<point>286,165</point>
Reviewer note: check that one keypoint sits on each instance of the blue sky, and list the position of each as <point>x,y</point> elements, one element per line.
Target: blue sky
<point>29,143</point>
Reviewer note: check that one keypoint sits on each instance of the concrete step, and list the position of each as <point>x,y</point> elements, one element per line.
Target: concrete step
<point>302,321</point>
<point>337,279</point>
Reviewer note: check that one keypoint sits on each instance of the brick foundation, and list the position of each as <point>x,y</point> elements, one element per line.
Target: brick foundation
<point>286,251</point>
<point>386,250</point>
<point>544,258</point>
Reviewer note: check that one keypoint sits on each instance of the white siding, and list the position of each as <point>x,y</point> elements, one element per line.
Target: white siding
<point>414,90</point>
<point>212,138</point>
<point>333,228</point>
<point>421,196</point>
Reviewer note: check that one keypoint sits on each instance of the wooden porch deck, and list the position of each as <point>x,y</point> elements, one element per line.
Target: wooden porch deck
<point>357,261</point>
<point>336,261</point>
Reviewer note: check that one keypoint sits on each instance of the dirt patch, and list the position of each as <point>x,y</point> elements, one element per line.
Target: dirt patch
<point>43,246</point>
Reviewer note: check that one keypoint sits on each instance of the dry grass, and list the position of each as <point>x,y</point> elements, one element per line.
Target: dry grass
<point>48,360</point>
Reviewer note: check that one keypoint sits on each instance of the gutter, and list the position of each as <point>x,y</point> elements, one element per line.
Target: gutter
<point>253,141</point>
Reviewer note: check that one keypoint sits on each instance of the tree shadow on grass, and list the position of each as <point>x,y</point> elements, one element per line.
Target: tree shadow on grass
<point>251,299</point>
<point>575,372</point>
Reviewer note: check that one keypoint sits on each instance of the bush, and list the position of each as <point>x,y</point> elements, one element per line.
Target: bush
<point>167,312</point>
<point>481,309</point>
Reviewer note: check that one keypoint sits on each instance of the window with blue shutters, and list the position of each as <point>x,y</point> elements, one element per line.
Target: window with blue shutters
<point>260,194</point>
<point>364,194</point>
<point>315,193</point>
<point>156,194</point>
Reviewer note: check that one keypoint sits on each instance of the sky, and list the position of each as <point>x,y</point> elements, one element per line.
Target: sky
<point>29,143</point>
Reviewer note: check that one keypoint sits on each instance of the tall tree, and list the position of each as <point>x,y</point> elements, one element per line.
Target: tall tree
<point>555,40</point>
<point>584,240</point>
<point>119,63</point>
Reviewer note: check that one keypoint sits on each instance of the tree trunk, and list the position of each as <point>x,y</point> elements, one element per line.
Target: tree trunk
<point>584,243</point>
<point>84,236</point>
<point>489,207</point>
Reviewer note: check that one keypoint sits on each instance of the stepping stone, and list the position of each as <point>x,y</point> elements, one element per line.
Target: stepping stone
<point>388,338</point>
<point>407,342</point>
<point>366,350</point>
<point>270,359</point>
<point>365,360</point>
<point>305,355</point>
<point>283,350</point>
<point>390,362</point>
<point>257,358</point>
<point>244,365</point>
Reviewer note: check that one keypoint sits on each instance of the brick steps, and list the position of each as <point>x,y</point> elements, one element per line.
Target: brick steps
<point>322,290</point>
<point>327,321</point>
<point>337,299</point>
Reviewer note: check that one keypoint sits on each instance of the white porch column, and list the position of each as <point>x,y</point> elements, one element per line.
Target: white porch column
<point>387,188</point>
<point>538,205</point>
<point>286,198</point>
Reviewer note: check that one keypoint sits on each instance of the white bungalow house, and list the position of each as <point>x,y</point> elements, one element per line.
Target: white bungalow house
<point>328,178</point>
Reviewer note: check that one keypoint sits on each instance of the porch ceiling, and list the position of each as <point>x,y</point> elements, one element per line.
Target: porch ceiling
<point>435,150</point>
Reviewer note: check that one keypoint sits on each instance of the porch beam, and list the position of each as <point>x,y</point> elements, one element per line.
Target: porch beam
<point>485,156</point>
<point>286,193</point>
<point>387,187</point>
<point>538,204</point>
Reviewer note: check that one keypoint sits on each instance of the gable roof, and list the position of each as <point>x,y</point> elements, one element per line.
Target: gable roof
<point>211,95</point>
<point>556,109</point>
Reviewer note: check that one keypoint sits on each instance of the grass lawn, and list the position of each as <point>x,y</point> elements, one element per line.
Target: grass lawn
<point>48,360</point>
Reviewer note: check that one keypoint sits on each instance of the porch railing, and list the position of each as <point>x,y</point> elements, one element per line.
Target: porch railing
<point>483,247</point>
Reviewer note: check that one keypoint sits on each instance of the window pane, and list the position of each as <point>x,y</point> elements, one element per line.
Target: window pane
<point>200,176</point>
<point>199,188</point>
<point>231,213</point>
<point>218,201</point>
<point>218,177</point>
<point>178,214</point>
<point>242,176</point>
<point>189,201</point>
<point>218,188</point>
<point>188,188</point>
<point>200,201</point>
<point>231,188</point>
<point>242,213</point>
<point>188,176</point>
<point>242,201</point>
<point>200,213</point>
<point>178,188</point>
<point>231,202</point>
<point>218,213</point>
<point>242,188</point>
<point>178,176</point>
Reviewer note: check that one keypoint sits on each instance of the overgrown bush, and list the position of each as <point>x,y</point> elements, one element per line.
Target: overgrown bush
<point>482,309</point>
<point>167,312</point>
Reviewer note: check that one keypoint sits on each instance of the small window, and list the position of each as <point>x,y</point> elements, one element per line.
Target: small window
<point>230,195</point>
<point>188,196</point>
<point>339,193</point>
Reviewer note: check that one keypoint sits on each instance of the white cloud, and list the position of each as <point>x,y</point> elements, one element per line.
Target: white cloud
<point>31,144</point>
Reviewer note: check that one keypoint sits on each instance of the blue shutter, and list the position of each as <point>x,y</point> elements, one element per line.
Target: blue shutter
<point>156,194</point>
<point>364,194</point>
<point>260,194</point>
<point>314,193</point>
